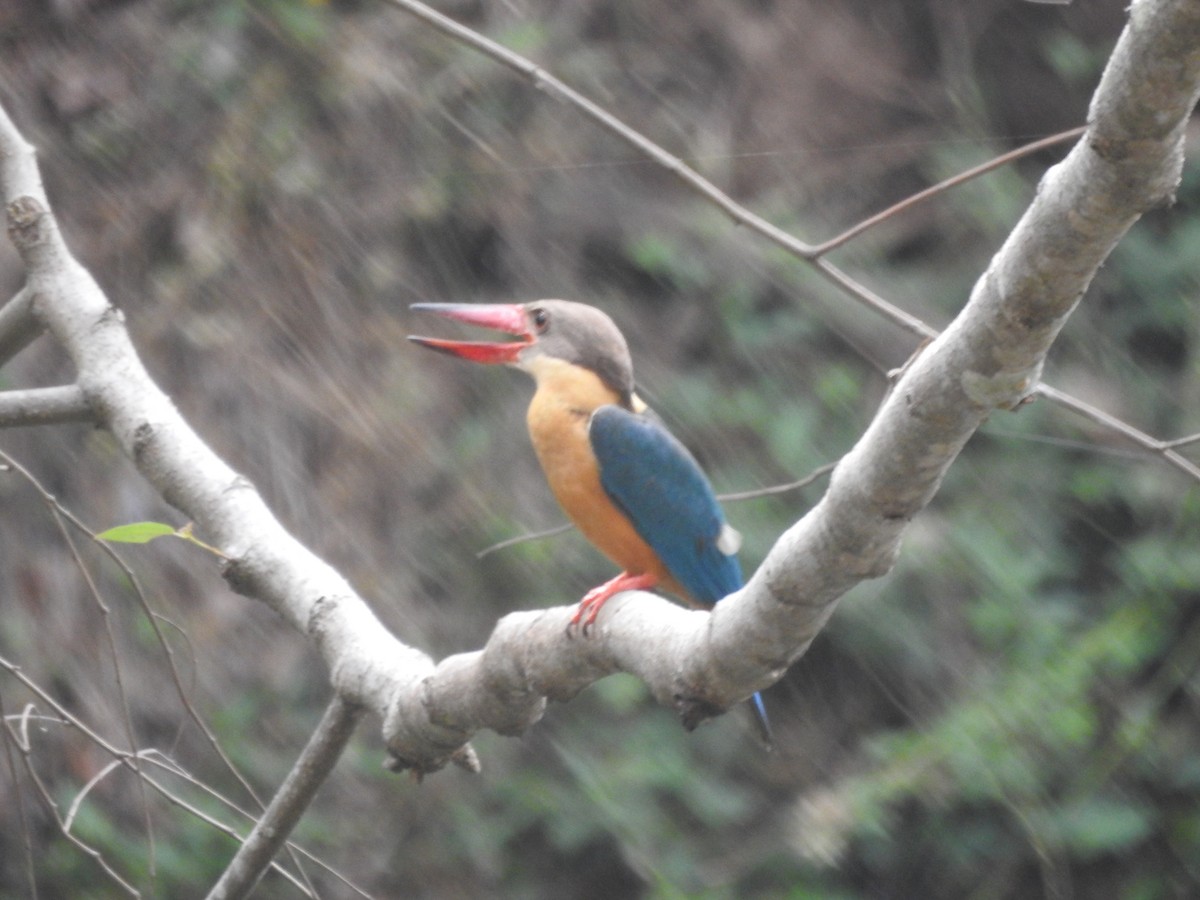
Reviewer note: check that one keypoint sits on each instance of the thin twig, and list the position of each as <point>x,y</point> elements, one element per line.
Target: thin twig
<point>44,406</point>
<point>118,674</point>
<point>68,719</point>
<point>1179,442</point>
<point>23,745</point>
<point>152,616</point>
<point>779,488</point>
<point>174,799</point>
<point>18,326</point>
<point>1112,423</point>
<point>734,497</point>
<point>942,186</point>
<point>523,538</point>
<point>316,761</point>
<point>19,803</point>
<point>157,758</point>
<point>906,320</point>
<point>163,761</point>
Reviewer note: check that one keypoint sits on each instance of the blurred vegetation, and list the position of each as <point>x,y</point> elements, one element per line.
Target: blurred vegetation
<point>265,186</point>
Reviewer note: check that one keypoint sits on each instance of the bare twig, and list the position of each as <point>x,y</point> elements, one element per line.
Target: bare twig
<point>152,757</point>
<point>1179,442</point>
<point>868,298</point>
<point>44,406</point>
<point>779,488</point>
<point>20,739</point>
<point>943,186</point>
<point>161,760</point>
<point>1164,449</point>
<point>118,675</point>
<point>524,538</point>
<point>62,514</point>
<point>277,821</point>
<point>18,801</point>
<point>294,795</point>
<point>18,327</point>
<point>152,617</point>
<point>739,214</point>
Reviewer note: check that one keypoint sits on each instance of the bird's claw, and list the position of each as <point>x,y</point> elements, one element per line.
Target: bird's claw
<point>593,600</point>
<point>586,612</point>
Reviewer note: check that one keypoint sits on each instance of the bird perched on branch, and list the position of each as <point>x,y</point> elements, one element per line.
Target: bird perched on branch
<point>621,477</point>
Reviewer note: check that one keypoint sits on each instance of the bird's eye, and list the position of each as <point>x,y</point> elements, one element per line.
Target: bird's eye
<point>541,319</point>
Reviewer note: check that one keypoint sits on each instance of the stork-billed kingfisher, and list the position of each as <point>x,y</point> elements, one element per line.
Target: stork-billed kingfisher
<point>625,481</point>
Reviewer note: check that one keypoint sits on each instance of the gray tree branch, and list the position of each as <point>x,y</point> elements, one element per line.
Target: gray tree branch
<point>44,406</point>
<point>368,665</point>
<point>270,833</point>
<point>18,327</point>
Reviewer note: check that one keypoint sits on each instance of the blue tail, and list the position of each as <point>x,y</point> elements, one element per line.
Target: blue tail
<point>761,721</point>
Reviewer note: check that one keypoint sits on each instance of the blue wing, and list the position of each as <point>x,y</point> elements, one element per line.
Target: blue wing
<point>657,483</point>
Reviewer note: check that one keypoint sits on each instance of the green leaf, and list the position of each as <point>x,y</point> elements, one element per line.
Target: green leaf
<point>135,533</point>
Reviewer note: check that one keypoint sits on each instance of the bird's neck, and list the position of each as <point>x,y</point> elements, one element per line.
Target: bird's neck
<point>558,417</point>
<point>567,389</point>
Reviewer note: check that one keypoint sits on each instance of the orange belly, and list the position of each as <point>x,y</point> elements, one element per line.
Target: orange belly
<point>558,421</point>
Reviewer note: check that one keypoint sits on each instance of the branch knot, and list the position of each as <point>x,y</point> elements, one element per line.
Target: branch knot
<point>25,222</point>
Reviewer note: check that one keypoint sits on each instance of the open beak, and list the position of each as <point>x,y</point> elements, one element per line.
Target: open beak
<point>509,318</point>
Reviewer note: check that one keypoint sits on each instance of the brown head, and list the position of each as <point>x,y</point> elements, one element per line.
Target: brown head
<point>574,333</point>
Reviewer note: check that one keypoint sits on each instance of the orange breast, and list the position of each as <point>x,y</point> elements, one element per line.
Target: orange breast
<point>558,420</point>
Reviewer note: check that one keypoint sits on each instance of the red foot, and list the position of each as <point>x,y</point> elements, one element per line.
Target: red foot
<point>589,606</point>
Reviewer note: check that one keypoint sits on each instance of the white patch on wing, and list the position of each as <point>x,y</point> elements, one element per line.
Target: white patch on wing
<point>729,541</point>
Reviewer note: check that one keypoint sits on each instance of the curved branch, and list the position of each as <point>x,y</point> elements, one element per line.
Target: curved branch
<point>368,665</point>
